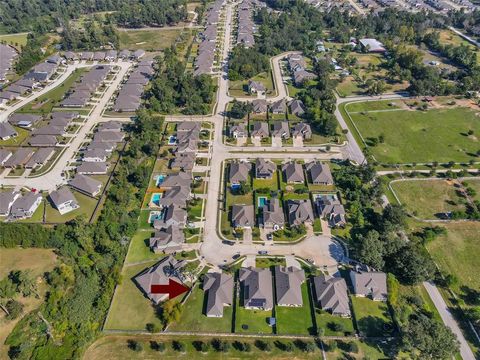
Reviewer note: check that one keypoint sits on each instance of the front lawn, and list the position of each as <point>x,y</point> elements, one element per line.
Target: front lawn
<point>420,136</point>
<point>296,320</point>
<point>193,316</point>
<point>427,198</point>
<point>372,317</point>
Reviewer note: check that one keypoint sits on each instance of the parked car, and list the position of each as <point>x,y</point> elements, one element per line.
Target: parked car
<point>263,252</point>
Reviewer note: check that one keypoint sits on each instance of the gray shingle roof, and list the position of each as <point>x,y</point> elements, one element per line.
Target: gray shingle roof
<point>243,215</point>
<point>331,294</point>
<point>288,282</point>
<point>219,288</point>
<point>272,214</point>
<point>319,173</point>
<point>239,171</point>
<point>257,288</point>
<point>370,283</point>
<point>293,172</point>
<point>61,196</point>
<point>86,184</point>
<point>264,169</point>
<point>299,212</point>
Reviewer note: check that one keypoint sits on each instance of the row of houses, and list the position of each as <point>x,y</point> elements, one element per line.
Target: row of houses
<point>107,56</point>
<point>272,215</point>
<point>280,129</point>
<point>245,23</point>
<point>7,56</point>
<point>176,191</point>
<point>298,68</point>
<point>129,97</point>
<point>206,50</point>
<point>259,286</point>
<point>81,92</point>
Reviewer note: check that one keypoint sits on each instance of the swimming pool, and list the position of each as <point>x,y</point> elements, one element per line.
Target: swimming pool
<point>235,187</point>
<point>262,201</point>
<point>172,140</point>
<point>155,199</point>
<point>160,179</point>
<point>155,215</point>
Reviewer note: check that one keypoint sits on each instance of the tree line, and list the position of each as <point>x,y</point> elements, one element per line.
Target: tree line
<point>81,287</point>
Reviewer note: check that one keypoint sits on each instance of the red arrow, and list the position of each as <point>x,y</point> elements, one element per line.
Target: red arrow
<point>173,289</point>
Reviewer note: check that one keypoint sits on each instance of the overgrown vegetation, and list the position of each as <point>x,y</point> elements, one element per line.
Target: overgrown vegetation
<point>245,63</point>
<point>82,286</point>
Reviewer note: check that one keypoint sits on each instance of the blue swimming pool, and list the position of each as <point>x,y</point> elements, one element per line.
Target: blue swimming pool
<point>155,199</point>
<point>160,179</point>
<point>155,215</point>
<point>262,201</point>
<point>172,140</point>
<point>235,187</point>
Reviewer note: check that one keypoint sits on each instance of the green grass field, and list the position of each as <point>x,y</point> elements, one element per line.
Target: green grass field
<point>44,104</point>
<point>18,140</point>
<point>139,250</point>
<point>15,40</point>
<point>326,320</point>
<point>457,253</point>
<point>420,136</point>
<point>130,309</point>
<point>149,40</point>
<point>296,320</point>
<point>194,319</point>
<point>255,320</point>
<point>425,198</point>
<point>240,87</point>
<point>372,317</point>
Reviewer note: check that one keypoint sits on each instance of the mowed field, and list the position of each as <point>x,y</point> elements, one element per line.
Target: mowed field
<point>118,345</point>
<point>457,253</point>
<point>15,40</point>
<point>420,136</point>
<point>149,40</point>
<point>425,198</point>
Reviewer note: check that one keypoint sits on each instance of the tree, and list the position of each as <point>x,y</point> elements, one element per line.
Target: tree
<point>429,339</point>
<point>370,249</point>
<point>411,265</point>
<point>14,308</point>
<point>170,312</point>
<point>178,346</point>
<point>153,328</point>
<point>134,345</point>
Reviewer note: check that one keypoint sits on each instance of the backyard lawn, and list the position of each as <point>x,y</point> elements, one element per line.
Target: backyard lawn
<point>251,321</point>
<point>240,87</point>
<point>139,250</point>
<point>87,205</point>
<point>296,320</point>
<point>372,317</point>
<point>149,40</point>
<point>425,198</point>
<point>193,316</point>
<point>326,321</point>
<point>17,140</point>
<point>130,309</point>
<point>420,136</point>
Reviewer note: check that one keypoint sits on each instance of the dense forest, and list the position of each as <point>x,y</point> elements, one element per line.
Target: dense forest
<point>43,16</point>
<point>245,63</point>
<point>173,89</point>
<point>81,287</point>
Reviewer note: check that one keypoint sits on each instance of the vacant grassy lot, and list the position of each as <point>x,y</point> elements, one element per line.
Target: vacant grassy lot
<point>372,317</point>
<point>425,198</point>
<point>420,136</point>
<point>44,104</point>
<point>193,316</point>
<point>457,253</point>
<point>149,40</point>
<point>15,40</point>
<point>296,320</point>
<point>130,309</point>
<point>374,105</point>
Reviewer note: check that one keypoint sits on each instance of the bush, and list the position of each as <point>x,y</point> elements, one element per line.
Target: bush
<point>14,308</point>
<point>178,346</point>
<point>134,345</point>
<point>153,328</point>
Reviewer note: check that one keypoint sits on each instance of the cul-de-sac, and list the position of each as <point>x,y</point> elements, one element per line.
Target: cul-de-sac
<point>240,179</point>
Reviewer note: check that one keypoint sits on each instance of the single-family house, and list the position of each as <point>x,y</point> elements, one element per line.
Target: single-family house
<point>218,288</point>
<point>63,200</point>
<point>372,284</point>
<point>257,288</point>
<point>86,184</point>
<point>281,129</point>
<point>302,130</point>
<point>239,172</point>
<point>288,285</point>
<point>319,173</point>
<point>330,294</point>
<point>299,212</point>
<point>293,173</point>
<point>255,87</point>
<point>25,206</point>
<point>259,106</point>
<point>272,216</point>
<point>243,216</point>
<point>238,131</point>
<point>7,131</point>
<point>260,130</point>
<point>167,239</point>
<point>278,107</point>
<point>7,198</point>
<point>264,169</point>
<point>297,108</point>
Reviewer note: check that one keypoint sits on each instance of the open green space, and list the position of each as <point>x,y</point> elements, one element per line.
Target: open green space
<point>267,262</point>
<point>130,309</point>
<point>374,105</point>
<point>372,317</point>
<point>44,104</point>
<point>426,198</point>
<point>87,205</point>
<point>139,250</point>
<point>193,316</point>
<point>118,345</point>
<point>328,324</point>
<point>296,320</point>
<point>419,136</point>
<point>457,253</point>
<point>149,40</point>
<point>15,40</point>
